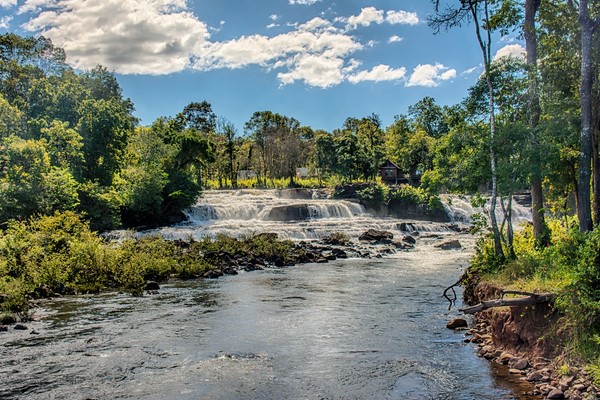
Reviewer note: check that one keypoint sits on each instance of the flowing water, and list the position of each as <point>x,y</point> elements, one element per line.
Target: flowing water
<point>303,214</point>
<point>350,329</point>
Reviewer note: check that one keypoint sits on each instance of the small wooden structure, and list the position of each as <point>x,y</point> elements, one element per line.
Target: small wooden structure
<point>391,174</point>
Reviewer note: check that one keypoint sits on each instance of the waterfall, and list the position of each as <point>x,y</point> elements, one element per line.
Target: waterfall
<point>302,214</point>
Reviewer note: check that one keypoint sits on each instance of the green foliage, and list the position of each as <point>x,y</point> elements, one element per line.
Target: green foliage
<point>374,194</point>
<point>100,205</point>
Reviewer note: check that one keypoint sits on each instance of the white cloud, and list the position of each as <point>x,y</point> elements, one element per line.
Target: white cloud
<point>430,75</point>
<point>314,53</point>
<point>127,36</point>
<point>379,73</point>
<point>314,70</point>
<point>8,3</point>
<point>367,16</point>
<point>470,70</point>
<point>273,17</point>
<point>395,39</point>
<point>304,2</point>
<point>272,25</point>
<point>511,50</point>
<point>402,17</point>
<point>5,22</point>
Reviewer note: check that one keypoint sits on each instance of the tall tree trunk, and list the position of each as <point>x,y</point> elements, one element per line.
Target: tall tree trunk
<point>485,47</point>
<point>584,212</point>
<point>537,194</point>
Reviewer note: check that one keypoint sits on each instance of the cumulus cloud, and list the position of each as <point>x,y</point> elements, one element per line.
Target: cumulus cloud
<point>164,36</point>
<point>314,53</point>
<point>5,22</point>
<point>430,75</point>
<point>304,2</point>
<point>367,16</point>
<point>8,3</point>
<point>379,73</point>
<point>402,17</point>
<point>128,36</point>
<point>510,50</point>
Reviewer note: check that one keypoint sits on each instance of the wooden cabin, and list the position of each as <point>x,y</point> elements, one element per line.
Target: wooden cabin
<point>391,174</point>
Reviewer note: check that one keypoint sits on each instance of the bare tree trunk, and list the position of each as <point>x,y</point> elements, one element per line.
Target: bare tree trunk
<point>537,194</point>
<point>487,59</point>
<point>584,212</point>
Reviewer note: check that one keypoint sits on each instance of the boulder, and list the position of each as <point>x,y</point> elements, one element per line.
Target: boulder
<point>457,323</point>
<point>20,327</point>
<point>373,235</point>
<point>405,227</point>
<point>7,320</point>
<point>3,328</point>
<point>213,274</point>
<point>151,285</point>
<point>519,363</point>
<point>449,245</point>
<point>409,239</point>
<point>555,394</point>
<point>339,253</point>
<point>230,271</point>
<point>400,244</point>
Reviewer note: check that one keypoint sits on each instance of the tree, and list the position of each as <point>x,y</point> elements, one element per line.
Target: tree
<point>480,13</point>
<point>540,231</point>
<point>29,184</point>
<point>427,115</point>
<point>105,127</point>
<point>588,25</point>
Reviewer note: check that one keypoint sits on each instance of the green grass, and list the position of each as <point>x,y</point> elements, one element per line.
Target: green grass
<point>569,267</point>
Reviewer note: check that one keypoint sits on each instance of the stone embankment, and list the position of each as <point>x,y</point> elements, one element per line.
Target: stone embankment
<point>524,340</point>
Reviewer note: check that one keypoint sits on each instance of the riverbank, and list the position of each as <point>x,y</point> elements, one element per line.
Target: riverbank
<point>529,341</point>
<point>58,255</point>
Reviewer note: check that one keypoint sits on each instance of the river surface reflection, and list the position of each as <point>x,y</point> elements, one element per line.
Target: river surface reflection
<point>350,329</point>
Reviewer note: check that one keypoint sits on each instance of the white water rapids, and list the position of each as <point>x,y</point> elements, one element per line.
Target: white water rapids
<point>302,214</point>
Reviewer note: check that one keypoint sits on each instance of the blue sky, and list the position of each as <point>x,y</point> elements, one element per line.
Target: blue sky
<point>318,61</point>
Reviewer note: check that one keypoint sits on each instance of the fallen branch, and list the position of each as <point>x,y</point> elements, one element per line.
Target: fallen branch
<point>451,287</point>
<point>532,298</point>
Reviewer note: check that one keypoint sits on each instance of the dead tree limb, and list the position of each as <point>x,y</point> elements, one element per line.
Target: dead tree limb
<point>530,299</point>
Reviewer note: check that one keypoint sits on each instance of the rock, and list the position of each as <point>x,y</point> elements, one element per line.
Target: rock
<point>373,235</point>
<point>534,376</point>
<point>7,320</point>
<point>449,245</point>
<point>514,371</point>
<point>519,363</point>
<point>151,285</point>
<point>565,382</point>
<point>20,327</point>
<point>339,253</point>
<point>405,227</point>
<point>457,323</point>
<point>555,394</point>
<point>580,387</point>
<point>213,274</point>
<point>34,332</point>
<point>330,256</point>
<point>400,244</point>
<point>230,271</point>
<point>335,240</point>
<point>504,358</point>
<point>409,239</point>
<point>3,328</point>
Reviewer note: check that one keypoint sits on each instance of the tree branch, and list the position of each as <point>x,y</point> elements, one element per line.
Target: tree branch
<point>532,298</point>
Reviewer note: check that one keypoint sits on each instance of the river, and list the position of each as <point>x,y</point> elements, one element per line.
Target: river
<point>350,329</point>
